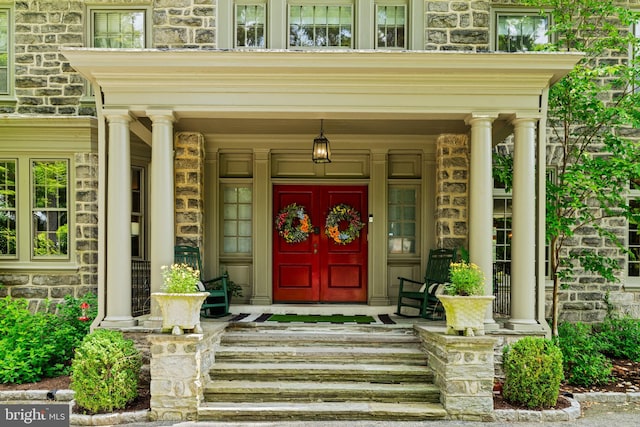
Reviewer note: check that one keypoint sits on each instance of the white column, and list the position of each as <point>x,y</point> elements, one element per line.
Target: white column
<point>162,198</point>
<point>523,272</point>
<point>118,280</point>
<point>481,204</point>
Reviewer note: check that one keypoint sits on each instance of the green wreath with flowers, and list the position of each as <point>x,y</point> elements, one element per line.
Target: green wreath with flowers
<point>342,213</point>
<point>293,224</point>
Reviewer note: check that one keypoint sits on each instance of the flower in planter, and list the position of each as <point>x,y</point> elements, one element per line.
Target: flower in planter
<point>179,279</point>
<point>466,279</point>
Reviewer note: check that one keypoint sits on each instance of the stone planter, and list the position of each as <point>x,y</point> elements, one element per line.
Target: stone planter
<point>465,314</point>
<point>180,311</point>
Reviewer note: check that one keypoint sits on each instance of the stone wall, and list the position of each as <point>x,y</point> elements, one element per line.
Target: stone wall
<point>184,24</point>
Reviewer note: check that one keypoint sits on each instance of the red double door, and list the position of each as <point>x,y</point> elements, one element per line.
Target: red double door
<point>318,269</point>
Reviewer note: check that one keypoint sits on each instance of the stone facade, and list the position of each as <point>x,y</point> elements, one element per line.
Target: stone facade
<point>44,84</point>
<point>189,182</point>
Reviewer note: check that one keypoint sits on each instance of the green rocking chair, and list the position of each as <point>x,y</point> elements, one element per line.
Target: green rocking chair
<point>425,299</point>
<point>217,303</point>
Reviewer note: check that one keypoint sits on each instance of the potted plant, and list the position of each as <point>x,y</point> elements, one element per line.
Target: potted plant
<point>463,299</point>
<point>180,300</point>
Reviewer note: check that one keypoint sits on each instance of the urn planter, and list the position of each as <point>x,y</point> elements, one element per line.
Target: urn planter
<point>180,311</point>
<point>465,314</point>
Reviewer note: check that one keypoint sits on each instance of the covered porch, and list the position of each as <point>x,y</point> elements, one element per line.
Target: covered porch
<point>264,107</point>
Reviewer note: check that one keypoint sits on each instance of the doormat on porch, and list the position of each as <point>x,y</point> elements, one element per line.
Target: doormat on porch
<point>314,318</point>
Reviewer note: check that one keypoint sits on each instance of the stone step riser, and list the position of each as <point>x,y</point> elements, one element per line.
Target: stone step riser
<point>324,376</point>
<point>323,358</point>
<point>310,342</point>
<point>311,395</point>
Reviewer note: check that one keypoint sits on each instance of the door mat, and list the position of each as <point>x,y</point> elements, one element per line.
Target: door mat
<point>314,318</point>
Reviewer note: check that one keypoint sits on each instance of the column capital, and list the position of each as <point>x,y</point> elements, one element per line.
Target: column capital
<point>120,114</point>
<point>261,154</point>
<point>478,117</point>
<point>516,119</point>
<point>161,115</point>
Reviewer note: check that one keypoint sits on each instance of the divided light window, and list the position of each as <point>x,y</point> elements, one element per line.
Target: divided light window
<point>521,31</point>
<point>391,22</point>
<point>403,219</point>
<point>321,26</point>
<point>7,207</point>
<point>137,212</point>
<point>237,219</point>
<point>633,269</point>
<point>4,51</point>
<point>250,24</point>
<point>49,207</point>
<point>118,28</point>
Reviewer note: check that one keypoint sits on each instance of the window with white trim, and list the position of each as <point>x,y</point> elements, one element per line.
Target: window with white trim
<point>118,28</point>
<point>137,212</point>
<point>391,26</point>
<point>250,23</point>
<point>520,31</point>
<point>5,42</point>
<point>321,25</point>
<point>237,219</point>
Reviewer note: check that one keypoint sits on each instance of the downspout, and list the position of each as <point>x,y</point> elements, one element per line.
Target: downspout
<point>102,176</point>
<point>542,202</point>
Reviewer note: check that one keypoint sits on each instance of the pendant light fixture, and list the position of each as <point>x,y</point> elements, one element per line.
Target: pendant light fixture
<point>321,149</point>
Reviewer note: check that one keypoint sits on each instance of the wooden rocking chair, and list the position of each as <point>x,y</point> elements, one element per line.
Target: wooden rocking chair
<point>217,303</point>
<point>424,299</point>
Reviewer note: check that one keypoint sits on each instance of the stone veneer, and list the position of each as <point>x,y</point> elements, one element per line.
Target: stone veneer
<point>452,198</point>
<point>189,182</point>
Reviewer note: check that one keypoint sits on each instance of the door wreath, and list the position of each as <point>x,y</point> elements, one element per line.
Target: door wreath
<point>337,214</point>
<point>293,224</point>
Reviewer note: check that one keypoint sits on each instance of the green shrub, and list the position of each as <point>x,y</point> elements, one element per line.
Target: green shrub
<point>583,362</point>
<point>533,372</point>
<point>32,345</point>
<point>620,338</point>
<point>105,371</point>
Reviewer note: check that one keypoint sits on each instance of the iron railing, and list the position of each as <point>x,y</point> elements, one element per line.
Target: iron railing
<point>502,287</point>
<point>140,287</point>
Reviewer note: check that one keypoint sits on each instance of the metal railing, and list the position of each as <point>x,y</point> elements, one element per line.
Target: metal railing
<point>502,287</point>
<point>140,287</point>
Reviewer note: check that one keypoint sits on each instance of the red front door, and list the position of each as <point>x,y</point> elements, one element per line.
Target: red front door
<point>318,269</point>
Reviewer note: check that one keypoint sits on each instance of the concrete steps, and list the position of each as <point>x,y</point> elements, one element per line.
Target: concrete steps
<point>320,372</point>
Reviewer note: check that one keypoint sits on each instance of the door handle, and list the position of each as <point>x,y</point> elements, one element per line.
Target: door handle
<point>316,230</point>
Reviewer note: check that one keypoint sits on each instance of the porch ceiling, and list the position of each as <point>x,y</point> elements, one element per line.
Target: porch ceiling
<point>363,92</point>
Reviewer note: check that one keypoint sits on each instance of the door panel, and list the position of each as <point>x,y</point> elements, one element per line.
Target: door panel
<point>319,269</point>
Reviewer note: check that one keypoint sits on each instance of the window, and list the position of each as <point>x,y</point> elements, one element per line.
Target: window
<point>237,219</point>
<point>4,51</point>
<point>7,208</point>
<point>403,218</point>
<point>137,212</point>
<point>391,26</point>
<point>114,28</point>
<point>633,265</point>
<point>520,31</point>
<point>49,208</point>
<point>250,24</point>
<point>320,26</point>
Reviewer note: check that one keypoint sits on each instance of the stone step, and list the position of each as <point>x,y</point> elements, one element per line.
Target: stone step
<point>302,338</point>
<point>273,391</point>
<point>321,372</point>
<point>312,354</point>
<point>319,411</point>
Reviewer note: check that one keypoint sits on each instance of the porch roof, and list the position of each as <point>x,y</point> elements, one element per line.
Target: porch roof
<point>407,86</point>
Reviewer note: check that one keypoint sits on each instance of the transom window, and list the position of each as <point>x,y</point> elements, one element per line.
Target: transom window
<point>4,51</point>
<point>321,26</point>
<point>118,28</point>
<point>521,31</point>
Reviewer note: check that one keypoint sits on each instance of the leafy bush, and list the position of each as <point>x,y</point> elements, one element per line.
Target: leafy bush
<point>533,372</point>
<point>105,371</point>
<point>583,362</point>
<point>620,338</point>
<point>37,345</point>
